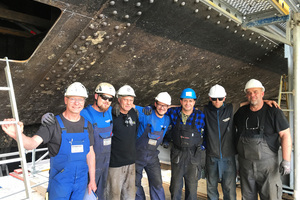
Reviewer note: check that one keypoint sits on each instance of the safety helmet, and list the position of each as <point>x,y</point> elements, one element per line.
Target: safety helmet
<point>76,89</point>
<point>163,97</point>
<point>105,88</point>
<point>188,93</point>
<point>217,91</point>
<point>253,83</point>
<point>126,90</point>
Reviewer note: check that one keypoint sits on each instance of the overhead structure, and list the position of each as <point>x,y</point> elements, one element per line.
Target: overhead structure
<point>267,17</point>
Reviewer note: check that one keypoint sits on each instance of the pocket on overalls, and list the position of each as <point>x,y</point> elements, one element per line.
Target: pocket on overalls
<point>196,156</point>
<point>105,142</point>
<point>78,151</point>
<point>58,185</point>
<point>252,148</point>
<point>279,190</point>
<point>199,158</point>
<point>152,141</point>
<point>175,155</point>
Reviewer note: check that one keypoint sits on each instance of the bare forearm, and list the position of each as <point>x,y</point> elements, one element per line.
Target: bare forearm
<point>92,165</point>
<point>286,144</point>
<point>30,143</point>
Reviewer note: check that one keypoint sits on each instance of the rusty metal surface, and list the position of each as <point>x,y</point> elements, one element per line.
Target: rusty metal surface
<point>153,46</point>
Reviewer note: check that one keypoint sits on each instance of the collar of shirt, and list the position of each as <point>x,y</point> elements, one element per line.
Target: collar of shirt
<point>184,117</point>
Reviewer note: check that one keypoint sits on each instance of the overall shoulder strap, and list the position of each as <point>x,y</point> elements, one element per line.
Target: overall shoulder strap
<point>61,124</point>
<point>85,123</point>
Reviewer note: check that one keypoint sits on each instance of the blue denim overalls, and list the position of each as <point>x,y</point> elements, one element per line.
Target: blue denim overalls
<point>68,176</point>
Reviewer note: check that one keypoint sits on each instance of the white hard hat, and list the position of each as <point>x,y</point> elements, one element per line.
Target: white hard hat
<point>217,91</point>
<point>105,88</point>
<point>76,89</point>
<point>253,83</point>
<point>126,90</point>
<point>163,97</point>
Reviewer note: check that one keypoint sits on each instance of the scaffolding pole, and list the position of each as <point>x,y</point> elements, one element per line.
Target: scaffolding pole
<point>296,50</point>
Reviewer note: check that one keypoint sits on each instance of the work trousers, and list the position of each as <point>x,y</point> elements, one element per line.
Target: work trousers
<point>224,171</point>
<point>182,167</point>
<point>153,171</point>
<point>260,177</point>
<point>121,183</point>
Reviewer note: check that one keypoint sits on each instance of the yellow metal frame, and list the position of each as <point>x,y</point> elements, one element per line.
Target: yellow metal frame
<point>282,6</point>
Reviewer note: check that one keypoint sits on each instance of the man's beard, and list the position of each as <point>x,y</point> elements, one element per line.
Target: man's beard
<point>103,109</point>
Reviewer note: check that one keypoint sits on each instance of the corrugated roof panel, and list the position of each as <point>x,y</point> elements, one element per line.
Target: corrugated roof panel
<point>249,6</point>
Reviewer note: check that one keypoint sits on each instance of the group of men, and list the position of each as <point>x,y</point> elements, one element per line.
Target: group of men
<point>107,151</point>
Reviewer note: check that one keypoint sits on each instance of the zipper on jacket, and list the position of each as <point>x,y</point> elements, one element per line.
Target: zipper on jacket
<point>218,119</point>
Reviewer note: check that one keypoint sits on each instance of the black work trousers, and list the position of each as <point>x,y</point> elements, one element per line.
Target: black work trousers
<point>184,167</point>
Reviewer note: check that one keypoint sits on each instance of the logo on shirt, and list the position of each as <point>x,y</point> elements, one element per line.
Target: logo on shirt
<point>107,121</point>
<point>226,119</point>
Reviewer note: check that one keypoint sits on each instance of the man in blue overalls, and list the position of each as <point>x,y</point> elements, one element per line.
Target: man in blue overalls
<point>100,116</point>
<point>151,131</point>
<point>70,142</point>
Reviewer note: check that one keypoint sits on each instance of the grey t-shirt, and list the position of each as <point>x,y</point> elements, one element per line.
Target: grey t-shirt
<point>51,135</point>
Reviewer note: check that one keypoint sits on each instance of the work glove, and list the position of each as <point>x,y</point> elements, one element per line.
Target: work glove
<point>116,109</point>
<point>48,119</point>
<point>147,110</point>
<point>285,167</point>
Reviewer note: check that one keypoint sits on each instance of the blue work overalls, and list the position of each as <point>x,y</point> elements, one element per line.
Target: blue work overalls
<point>147,158</point>
<point>102,148</point>
<point>68,176</point>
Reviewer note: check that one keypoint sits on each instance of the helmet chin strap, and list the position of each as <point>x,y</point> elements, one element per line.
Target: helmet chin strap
<point>158,112</point>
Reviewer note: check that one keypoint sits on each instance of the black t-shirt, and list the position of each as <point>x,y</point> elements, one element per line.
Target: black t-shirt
<point>275,122</point>
<point>51,135</point>
<point>123,151</point>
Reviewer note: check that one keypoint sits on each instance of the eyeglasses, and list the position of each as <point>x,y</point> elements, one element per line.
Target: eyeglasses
<point>255,128</point>
<point>73,100</point>
<point>162,106</point>
<point>219,98</point>
<point>110,99</point>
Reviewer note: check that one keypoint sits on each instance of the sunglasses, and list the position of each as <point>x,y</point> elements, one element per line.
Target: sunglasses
<point>106,97</point>
<point>219,98</point>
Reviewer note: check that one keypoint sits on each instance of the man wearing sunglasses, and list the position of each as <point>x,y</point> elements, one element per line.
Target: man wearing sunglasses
<point>220,140</point>
<point>99,115</point>
<point>220,151</point>
<point>259,128</point>
<point>151,131</point>
<point>70,143</point>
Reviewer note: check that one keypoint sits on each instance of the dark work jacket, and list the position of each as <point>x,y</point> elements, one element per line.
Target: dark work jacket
<point>218,128</point>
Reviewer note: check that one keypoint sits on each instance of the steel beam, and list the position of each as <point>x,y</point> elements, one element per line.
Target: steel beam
<point>266,21</point>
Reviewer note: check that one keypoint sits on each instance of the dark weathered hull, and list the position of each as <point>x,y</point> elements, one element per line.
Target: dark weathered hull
<point>156,46</point>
